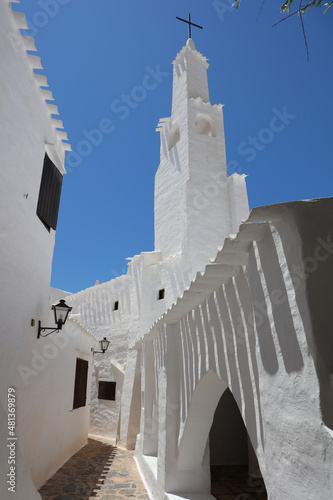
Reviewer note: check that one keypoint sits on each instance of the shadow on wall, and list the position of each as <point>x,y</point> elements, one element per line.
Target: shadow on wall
<point>276,304</point>
<point>318,275</point>
<point>83,474</point>
<point>292,291</point>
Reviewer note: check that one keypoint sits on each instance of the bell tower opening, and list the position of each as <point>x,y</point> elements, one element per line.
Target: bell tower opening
<point>235,471</point>
<point>203,125</point>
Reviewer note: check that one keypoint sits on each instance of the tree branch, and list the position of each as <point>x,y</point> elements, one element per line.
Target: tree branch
<point>262,4</point>
<point>303,29</point>
<point>287,17</point>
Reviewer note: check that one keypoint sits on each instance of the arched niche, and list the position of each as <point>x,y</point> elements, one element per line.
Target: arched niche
<point>233,461</point>
<point>174,136</point>
<point>214,417</point>
<point>204,125</point>
<point>228,436</point>
<point>199,421</point>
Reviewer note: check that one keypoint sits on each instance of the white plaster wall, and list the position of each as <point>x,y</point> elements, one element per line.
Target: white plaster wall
<point>192,217</point>
<point>190,76</point>
<point>43,374</point>
<point>257,334</point>
<point>196,205</point>
<point>301,235</point>
<point>55,431</point>
<point>139,307</point>
<point>171,204</point>
<point>40,371</point>
<point>170,191</point>
<point>239,205</point>
<point>24,486</point>
<point>96,308</point>
<point>208,205</point>
<point>104,414</point>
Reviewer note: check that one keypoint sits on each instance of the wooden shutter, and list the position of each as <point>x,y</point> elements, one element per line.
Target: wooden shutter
<point>49,194</point>
<point>107,390</point>
<point>80,388</point>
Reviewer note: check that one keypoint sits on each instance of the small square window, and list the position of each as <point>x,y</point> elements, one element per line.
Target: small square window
<point>107,390</point>
<point>116,305</point>
<point>161,294</point>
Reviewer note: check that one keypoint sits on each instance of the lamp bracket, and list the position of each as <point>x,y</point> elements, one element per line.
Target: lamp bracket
<point>97,352</point>
<point>43,329</point>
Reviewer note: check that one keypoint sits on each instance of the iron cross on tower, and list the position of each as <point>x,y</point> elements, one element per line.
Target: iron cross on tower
<point>189,24</point>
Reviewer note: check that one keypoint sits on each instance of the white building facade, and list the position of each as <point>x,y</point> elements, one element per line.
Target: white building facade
<point>255,325</point>
<point>220,337</point>
<point>37,376</point>
<point>188,227</point>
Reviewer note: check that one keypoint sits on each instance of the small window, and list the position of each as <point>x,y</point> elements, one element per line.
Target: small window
<point>80,388</point>
<point>107,390</point>
<point>116,305</point>
<point>49,194</point>
<point>161,294</point>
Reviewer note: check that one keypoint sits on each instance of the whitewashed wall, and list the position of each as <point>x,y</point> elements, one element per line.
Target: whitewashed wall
<point>196,204</point>
<point>193,203</point>
<point>50,431</point>
<point>40,371</point>
<point>259,332</point>
<point>137,295</point>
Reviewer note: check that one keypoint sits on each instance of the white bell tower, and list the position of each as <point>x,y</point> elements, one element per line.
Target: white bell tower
<point>196,204</point>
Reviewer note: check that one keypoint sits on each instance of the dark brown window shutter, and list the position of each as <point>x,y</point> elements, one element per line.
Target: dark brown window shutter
<point>49,194</point>
<point>80,389</point>
<point>107,390</point>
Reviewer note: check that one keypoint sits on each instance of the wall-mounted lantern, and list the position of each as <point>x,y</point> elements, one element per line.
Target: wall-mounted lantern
<point>61,312</point>
<point>104,344</point>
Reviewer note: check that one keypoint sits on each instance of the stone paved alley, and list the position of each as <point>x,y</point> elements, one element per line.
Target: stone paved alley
<point>102,471</point>
<point>98,471</point>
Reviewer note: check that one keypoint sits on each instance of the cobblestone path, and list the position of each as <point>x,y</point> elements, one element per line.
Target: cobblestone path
<point>98,471</point>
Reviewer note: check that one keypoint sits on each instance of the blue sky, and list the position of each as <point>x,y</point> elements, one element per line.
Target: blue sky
<point>94,52</point>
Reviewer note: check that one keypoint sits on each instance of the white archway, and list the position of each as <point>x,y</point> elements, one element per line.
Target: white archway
<point>193,457</point>
<point>199,421</point>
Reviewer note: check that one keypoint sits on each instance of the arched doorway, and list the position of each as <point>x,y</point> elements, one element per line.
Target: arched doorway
<point>235,472</point>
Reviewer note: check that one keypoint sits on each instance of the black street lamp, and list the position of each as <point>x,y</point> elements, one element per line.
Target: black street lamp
<point>104,344</point>
<point>61,312</point>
